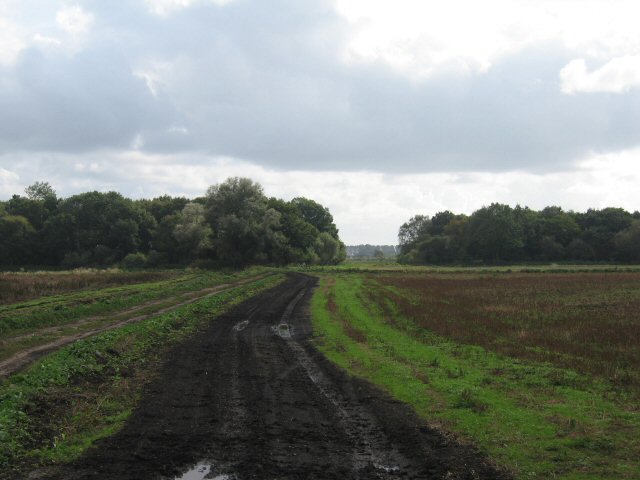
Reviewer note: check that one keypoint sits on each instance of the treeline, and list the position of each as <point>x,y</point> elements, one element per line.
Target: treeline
<point>499,234</point>
<point>371,251</point>
<point>234,224</point>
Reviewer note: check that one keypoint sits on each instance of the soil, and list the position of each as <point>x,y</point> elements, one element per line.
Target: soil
<point>251,398</point>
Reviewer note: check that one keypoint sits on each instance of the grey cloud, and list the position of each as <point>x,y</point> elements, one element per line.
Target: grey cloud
<point>263,81</point>
<point>89,101</point>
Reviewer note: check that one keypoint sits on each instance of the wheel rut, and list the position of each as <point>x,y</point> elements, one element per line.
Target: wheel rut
<point>251,398</point>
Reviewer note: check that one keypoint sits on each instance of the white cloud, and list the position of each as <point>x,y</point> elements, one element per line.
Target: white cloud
<point>619,75</point>
<point>46,41</point>
<point>12,41</point>
<point>154,72</point>
<point>9,183</point>
<point>165,7</point>
<point>421,38</point>
<point>74,20</point>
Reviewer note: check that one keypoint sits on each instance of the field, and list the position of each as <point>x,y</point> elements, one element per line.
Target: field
<point>540,370</point>
<point>380,371</point>
<point>20,286</point>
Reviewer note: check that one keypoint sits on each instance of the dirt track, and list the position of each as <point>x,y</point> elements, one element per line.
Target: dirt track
<point>250,398</point>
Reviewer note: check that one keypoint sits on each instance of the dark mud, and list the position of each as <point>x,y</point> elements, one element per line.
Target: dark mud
<point>250,398</point>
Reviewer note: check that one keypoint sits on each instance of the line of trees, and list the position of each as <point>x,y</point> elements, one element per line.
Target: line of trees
<point>233,224</point>
<point>499,234</point>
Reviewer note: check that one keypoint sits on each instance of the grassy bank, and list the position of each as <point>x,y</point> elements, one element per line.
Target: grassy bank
<point>538,419</point>
<point>52,412</point>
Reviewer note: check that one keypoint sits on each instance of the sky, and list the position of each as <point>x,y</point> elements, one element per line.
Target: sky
<point>379,110</point>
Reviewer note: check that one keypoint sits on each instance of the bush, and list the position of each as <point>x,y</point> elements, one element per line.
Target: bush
<point>135,260</point>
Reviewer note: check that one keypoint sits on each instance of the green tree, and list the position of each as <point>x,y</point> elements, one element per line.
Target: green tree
<point>330,251</point>
<point>192,232</point>
<point>317,215</point>
<point>16,238</point>
<point>628,243</point>
<point>494,234</point>
<point>235,211</point>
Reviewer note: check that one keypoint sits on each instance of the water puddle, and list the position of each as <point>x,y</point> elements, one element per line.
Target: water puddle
<point>199,472</point>
<point>241,325</point>
<point>394,470</point>
<point>283,330</point>
<point>202,471</point>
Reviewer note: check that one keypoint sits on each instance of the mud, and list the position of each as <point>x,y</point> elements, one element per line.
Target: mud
<point>251,398</point>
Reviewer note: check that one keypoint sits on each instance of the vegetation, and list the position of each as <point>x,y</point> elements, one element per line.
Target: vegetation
<point>499,234</point>
<point>234,224</point>
<point>512,362</point>
<point>59,310</point>
<point>15,287</point>
<point>53,411</point>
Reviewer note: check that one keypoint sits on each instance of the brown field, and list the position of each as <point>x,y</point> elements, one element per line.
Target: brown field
<point>17,287</point>
<point>589,322</point>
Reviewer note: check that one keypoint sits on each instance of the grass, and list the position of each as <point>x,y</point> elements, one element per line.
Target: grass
<point>534,418</point>
<point>56,409</point>
<point>17,287</point>
<point>20,318</point>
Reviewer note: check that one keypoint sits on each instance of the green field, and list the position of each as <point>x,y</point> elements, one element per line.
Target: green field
<point>540,370</point>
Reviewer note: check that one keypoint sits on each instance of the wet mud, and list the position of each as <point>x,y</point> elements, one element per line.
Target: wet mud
<point>251,398</point>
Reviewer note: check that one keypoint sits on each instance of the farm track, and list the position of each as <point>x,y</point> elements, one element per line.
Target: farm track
<point>58,336</point>
<point>251,398</point>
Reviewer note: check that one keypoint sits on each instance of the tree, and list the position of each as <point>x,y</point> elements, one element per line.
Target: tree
<point>329,250</point>
<point>494,234</point>
<point>316,215</point>
<point>411,231</point>
<point>16,237</point>
<point>235,210</point>
<point>41,191</point>
<point>628,243</point>
<point>192,232</point>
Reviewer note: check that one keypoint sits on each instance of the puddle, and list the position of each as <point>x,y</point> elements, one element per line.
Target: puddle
<point>283,330</point>
<point>202,471</point>
<point>387,469</point>
<point>199,472</point>
<point>241,325</point>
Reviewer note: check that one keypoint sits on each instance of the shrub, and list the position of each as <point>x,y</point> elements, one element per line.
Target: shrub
<point>134,260</point>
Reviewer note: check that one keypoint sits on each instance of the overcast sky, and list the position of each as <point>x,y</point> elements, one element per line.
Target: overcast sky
<point>377,109</point>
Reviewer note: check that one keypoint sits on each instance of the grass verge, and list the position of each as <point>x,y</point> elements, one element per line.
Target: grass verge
<point>537,420</point>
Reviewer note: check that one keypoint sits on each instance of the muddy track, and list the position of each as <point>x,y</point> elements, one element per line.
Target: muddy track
<point>251,398</point>
<point>25,357</point>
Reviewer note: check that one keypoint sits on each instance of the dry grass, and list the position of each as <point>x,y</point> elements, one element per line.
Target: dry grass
<point>17,287</point>
<point>589,322</point>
